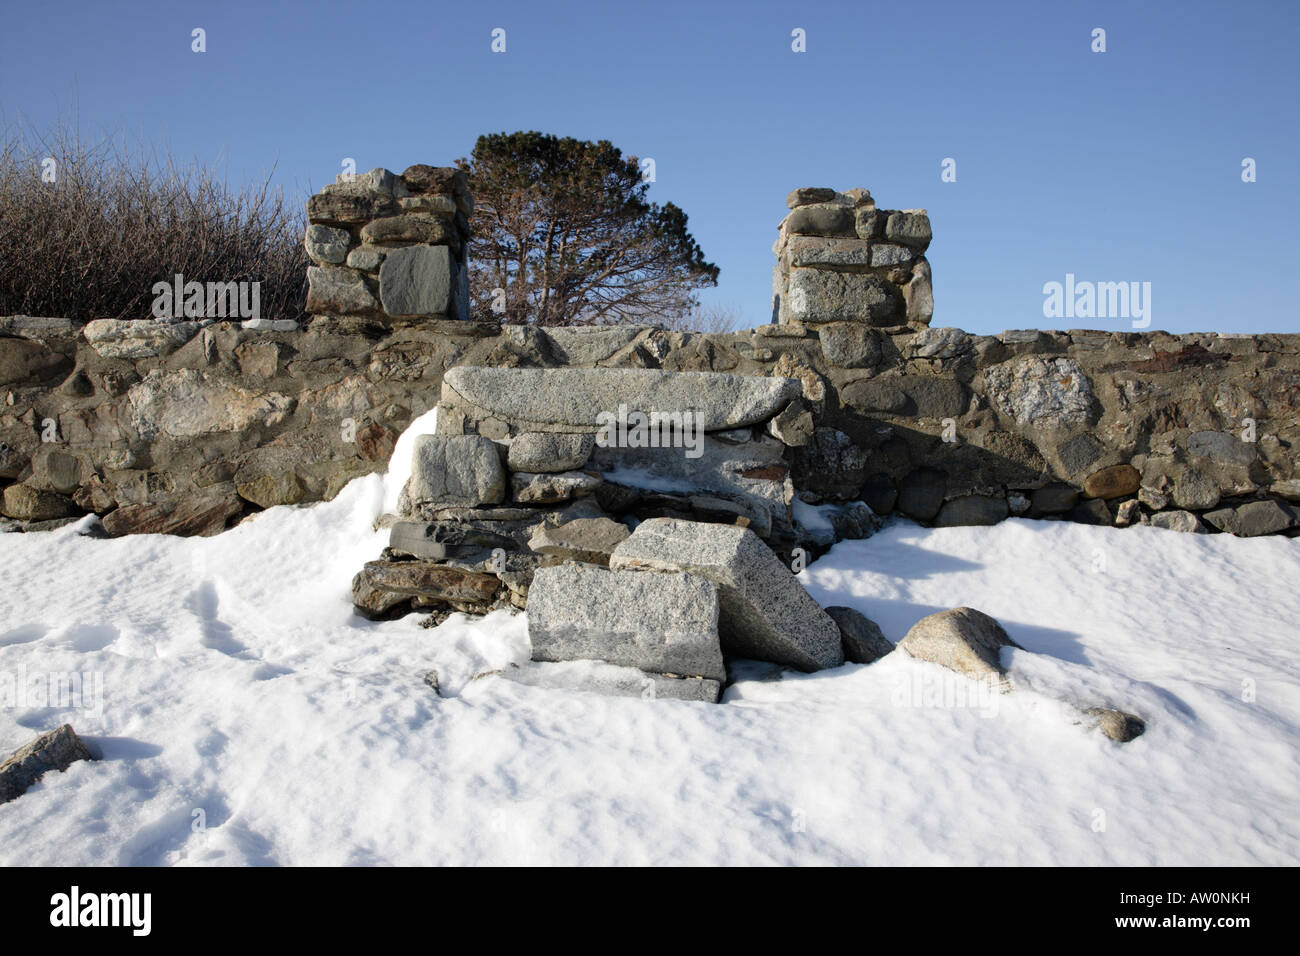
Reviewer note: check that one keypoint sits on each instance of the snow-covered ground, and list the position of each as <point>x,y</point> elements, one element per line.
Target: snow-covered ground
<point>247,716</point>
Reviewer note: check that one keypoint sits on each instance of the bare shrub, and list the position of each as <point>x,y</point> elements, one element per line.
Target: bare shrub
<point>92,243</point>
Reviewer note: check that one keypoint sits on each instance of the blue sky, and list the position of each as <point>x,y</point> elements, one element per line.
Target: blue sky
<point>1115,166</point>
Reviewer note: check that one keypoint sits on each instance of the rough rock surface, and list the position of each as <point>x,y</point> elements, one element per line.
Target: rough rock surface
<point>590,540</point>
<point>456,470</point>
<point>862,638</point>
<point>56,750</point>
<point>579,612</point>
<point>766,613</point>
<point>577,397</point>
<point>963,640</point>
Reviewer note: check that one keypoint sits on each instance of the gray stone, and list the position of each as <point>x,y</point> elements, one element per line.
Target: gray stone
<point>588,345</point>
<point>920,396</point>
<point>850,345</point>
<point>56,470</point>
<point>417,280</point>
<point>765,612</point>
<point>911,227</point>
<point>1094,511</point>
<point>139,338</point>
<point>611,680</point>
<point>587,398</point>
<point>888,254</point>
<point>820,219</point>
<point>1128,513</point>
<point>971,510</point>
<point>1221,447</point>
<point>1183,521</point>
<point>56,750</point>
<point>662,623</point>
<point>880,493</point>
<point>831,464</point>
<point>1052,500</point>
<point>1119,726</point>
<point>806,195</point>
<point>861,637</point>
<point>549,489</point>
<point>918,295</point>
<point>815,295</point>
<point>921,493</point>
<point>544,452</point>
<point>813,251</point>
<point>963,640</point>
<point>1152,499</point>
<point>327,244</point>
<point>1040,391</point>
<point>440,539</point>
<point>1254,518</point>
<point>1078,452</point>
<point>793,426</point>
<point>591,540</point>
<point>451,470</point>
<point>945,343</point>
<point>366,258</point>
<point>335,291</point>
<point>1195,491</point>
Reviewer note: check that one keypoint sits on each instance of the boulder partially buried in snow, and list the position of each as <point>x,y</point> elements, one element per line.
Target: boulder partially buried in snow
<point>765,612</point>
<point>661,623</point>
<point>964,640</point>
<point>56,750</point>
<point>862,638</point>
<point>577,397</point>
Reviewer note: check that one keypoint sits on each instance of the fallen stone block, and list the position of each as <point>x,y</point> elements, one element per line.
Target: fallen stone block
<point>765,612</point>
<point>56,750</point>
<point>661,623</point>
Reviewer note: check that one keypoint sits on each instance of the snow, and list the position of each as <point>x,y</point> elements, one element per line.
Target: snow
<point>249,717</point>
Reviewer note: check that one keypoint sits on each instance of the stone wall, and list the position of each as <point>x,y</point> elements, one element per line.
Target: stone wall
<point>390,246</point>
<point>839,258</point>
<point>186,427</point>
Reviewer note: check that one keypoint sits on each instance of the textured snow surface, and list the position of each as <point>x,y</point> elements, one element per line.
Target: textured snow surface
<point>249,717</point>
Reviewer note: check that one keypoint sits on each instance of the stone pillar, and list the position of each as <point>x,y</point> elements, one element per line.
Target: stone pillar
<point>840,259</point>
<point>390,247</point>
